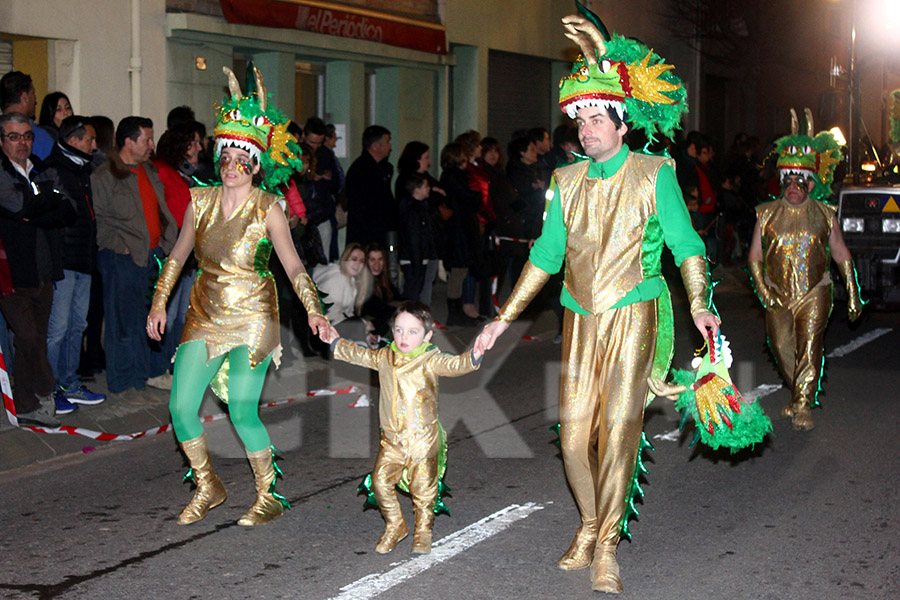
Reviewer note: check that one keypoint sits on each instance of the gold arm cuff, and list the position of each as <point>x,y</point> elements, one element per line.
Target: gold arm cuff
<point>308,293</point>
<point>759,283</point>
<point>168,275</point>
<point>529,284</point>
<point>696,283</point>
<point>854,302</point>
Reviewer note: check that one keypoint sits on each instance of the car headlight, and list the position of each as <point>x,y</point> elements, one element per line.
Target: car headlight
<point>853,225</point>
<point>890,226</point>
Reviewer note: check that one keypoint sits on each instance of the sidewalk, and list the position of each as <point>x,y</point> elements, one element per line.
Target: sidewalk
<point>135,411</point>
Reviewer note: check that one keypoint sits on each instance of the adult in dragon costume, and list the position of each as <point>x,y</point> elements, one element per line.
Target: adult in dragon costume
<point>608,220</point>
<point>794,241</point>
<point>231,332</point>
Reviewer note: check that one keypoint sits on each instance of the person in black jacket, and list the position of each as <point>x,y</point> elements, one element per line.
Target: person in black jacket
<point>461,228</point>
<point>418,254</point>
<point>371,209</point>
<point>71,158</point>
<point>32,209</point>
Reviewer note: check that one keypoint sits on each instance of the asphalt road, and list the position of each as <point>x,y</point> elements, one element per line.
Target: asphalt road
<point>808,515</point>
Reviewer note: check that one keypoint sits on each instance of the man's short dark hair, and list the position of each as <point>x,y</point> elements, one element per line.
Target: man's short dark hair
<point>315,126</point>
<point>536,134</point>
<point>414,181</point>
<point>420,311</point>
<point>517,146</point>
<point>180,114</point>
<point>12,85</point>
<point>74,126</point>
<point>13,117</point>
<point>373,134</point>
<point>129,128</point>
<point>614,117</point>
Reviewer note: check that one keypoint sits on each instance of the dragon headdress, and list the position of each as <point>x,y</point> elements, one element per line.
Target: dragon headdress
<point>812,157</point>
<point>252,124</point>
<point>622,75</point>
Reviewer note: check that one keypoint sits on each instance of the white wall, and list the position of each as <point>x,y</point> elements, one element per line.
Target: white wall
<point>93,43</point>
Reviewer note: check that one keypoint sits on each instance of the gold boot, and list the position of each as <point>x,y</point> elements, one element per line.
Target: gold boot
<point>802,418</point>
<point>422,535</point>
<point>394,531</point>
<point>605,570</point>
<point>580,553</point>
<point>269,503</point>
<point>210,491</point>
<point>788,411</point>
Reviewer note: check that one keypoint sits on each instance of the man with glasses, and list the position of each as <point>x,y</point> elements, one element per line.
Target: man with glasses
<point>17,95</point>
<point>794,241</point>
<point>32,211</point>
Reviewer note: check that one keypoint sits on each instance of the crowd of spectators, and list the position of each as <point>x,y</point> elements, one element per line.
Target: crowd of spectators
<point>89,209</point>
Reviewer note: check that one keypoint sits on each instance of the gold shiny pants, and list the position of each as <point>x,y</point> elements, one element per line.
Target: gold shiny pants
<point>797,339</point>
<point>606,361</point>
<point>423,478</point>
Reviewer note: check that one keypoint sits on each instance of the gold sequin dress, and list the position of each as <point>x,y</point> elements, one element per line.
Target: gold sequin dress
<point>796,259</point>
<point>233,300</point>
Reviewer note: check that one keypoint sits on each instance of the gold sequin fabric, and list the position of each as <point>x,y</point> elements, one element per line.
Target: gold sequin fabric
<point>605,220</point>
<point>795,246</point>
<point>233,301</point>
<point>408,407</point>
<point>606,361</point>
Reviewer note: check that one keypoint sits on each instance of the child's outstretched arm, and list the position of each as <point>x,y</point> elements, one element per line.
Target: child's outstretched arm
<point>355,354</point>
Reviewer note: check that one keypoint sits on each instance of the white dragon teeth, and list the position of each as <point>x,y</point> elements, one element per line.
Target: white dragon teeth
<point>573,108</point>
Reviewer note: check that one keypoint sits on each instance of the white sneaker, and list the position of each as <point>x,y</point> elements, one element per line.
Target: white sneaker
<point>161,382</point>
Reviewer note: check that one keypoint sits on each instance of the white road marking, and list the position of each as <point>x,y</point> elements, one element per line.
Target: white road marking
<point>857,343</point>
<point>669,436</point>
<point>761,391</point>
<point>442,550</point>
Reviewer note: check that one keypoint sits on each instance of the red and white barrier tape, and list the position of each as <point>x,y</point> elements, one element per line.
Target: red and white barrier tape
<point>113,437</point>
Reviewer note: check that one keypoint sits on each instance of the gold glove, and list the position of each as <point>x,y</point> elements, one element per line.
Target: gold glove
<point>308,294</point>
<point>529,284</point>
<point>696,283</point>
<point>854,303</point>
<point>765,295</point>
<point>168,275</point>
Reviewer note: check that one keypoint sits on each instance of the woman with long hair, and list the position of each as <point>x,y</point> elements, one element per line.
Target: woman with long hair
<point>54,108</point>
<point>345,286</point>
<point>231,333</point>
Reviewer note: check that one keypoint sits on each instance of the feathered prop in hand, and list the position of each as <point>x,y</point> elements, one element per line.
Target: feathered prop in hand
<point>707,394</point>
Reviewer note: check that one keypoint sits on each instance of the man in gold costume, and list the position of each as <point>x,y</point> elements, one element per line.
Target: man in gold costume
<point>794,241</point>
<point>608,220</point>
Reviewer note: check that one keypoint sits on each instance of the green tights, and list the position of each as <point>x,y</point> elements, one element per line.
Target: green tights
<point>193,372</point>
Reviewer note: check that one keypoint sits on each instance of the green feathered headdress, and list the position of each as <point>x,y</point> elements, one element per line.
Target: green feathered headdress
<point>252,124</point>
<point>623,75</point>
<point>812,157</point>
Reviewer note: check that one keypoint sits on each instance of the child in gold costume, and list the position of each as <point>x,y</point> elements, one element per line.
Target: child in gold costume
<point>794,241</point>
<point>408,372</point>
<point>608,219</point>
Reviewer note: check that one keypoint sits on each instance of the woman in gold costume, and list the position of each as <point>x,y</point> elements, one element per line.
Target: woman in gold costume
<point>231,332</point>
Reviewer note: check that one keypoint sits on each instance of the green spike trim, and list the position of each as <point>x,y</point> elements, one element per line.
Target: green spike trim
<point>189,475</point>
<point>278,473</point>
<point>636,489</point>
<point>557,441</point>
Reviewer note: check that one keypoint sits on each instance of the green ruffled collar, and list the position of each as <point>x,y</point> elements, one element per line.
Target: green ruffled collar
<point>422,349</point>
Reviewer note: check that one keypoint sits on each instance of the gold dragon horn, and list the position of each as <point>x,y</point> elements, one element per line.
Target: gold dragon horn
<point>233,86</point>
